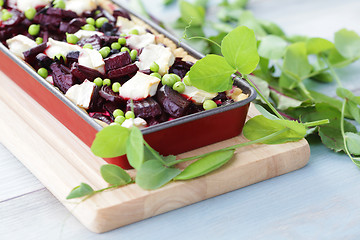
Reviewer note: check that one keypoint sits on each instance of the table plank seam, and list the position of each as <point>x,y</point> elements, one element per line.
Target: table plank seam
<point>24,194</point>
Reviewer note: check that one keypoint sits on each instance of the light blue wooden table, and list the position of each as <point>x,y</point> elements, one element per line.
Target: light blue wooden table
<point>320,201</point>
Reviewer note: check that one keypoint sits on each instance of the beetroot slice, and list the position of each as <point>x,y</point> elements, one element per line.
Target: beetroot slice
<point>94,40</point>
<point>61,80</point>
<point>172,102</point>
<point>117,61</point>
<point>90,73</point>
<point>102,117</point>
<point>33,52</point>
<point>43,60</point>
<point>121,13</point>
<point>121,72</point>
<point>96,103</point>
<point>79,75</point>
<point>108,94</point>
<point>180,67</point>
<point>145,108</point>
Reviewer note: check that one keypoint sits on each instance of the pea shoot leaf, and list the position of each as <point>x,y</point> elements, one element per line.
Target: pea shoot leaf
<point>114,174</point>
<point>153,174</point>
<point>353,142</point>
<point>240,50</point>
<point>247,19</point>
<point>262,85</point>
<point>259,127</point>
<point>191,13</point>
<point>80,191</point>
<point>337,60</point>
<point>135,148</point>
<point>323,77</point>
<point>272,47</point>
<point>212,74</point>
<point>110,142</point>
<point>347,43</point>
<point>284,102</point>
<point>318,45</point>
<point>272,28</point>
<point>266,113</point>
<point>205,165</point>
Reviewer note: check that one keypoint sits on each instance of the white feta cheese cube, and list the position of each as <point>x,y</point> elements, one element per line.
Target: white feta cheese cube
<point>84,34</point>
<point>80,6</point>
<point>137,122</point>
<point>197,95</point>
<point>126,26</point>
<point>19,44</point>
<point>56,47</point>
<point>92,59</point>
<point>156,53</point>
<point>81,94</point>
<point>140,41</point>
<point>139,87</point>
<point>24,5</point>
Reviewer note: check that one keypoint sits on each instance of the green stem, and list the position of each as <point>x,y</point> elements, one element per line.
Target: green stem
<point>316,123</point>
<point>315,73</point>
<point>155,153</point>
<point>263,97</point>
<point>142,9</point>
<point>203,38</point>
<point>332,70</point>
<point>260,140</point>
<point>305,91</point>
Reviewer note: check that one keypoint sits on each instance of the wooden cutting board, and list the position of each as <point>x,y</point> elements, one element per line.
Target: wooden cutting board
<point>61,161</point>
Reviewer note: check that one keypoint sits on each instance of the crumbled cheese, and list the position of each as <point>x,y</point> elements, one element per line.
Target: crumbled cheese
<point>236,94</point>
<point>156,53</point>
<point>137,122</point>
<point>92,59</point>
<point>56,47</point>
<point>81,6</point>
<point>81,94</point>
<point>197,95</point>
<point>126,26</point>
<point>50,79</point>
<point>139,87</point>
<point>24,5</point>
<point>140,41</point>
<point>84,34</point>
<point>19,44</point>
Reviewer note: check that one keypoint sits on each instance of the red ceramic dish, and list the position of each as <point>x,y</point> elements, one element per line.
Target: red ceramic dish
<point>172,137</point>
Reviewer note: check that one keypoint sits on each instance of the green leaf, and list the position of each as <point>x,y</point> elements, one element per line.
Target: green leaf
<point>80,191</point>
<point>347,43</point>
<point>259,127</point>
<point>153,174</point>
<point>110,142</point>
<point>262,85</point>
<point>318,45</point>
<point>192,13</point>
<point>247,19</point>
<point>114,175</point>
<point>240,50</point>
<point>135,148</point>
<point>284,102</point>
<point>323,77</point>
<point>354,110</point>
<point>296,65</point>
<point>337,60</point>
<point>212,74</point>
<point>266,113</point>
<point>347,94</point>
<point>272,28</point>
<point>205,165</point>
<point>353,142</point>
<point>272,47</point>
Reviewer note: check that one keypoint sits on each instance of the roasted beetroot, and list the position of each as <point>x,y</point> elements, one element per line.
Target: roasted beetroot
<point>108,94</point>
<point>145,108</point>
<point>43,60</point>
<point>180,67</point>
<point>130,69</point>
<point>30,55</point>
<point>102,117</point>
<point>62,80</point>
<point>172,102</point>
<point>117,61</point>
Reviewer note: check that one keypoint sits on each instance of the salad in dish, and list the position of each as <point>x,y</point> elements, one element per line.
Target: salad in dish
<point>112,65</point>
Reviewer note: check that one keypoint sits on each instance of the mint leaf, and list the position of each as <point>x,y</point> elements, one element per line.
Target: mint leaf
<point>192,14</point>
<point>240,50</point>
<point>135,148</point>
<point>353,142</point>
<point>272,47</point>
<point>296,65</point>
<point>347,43</point>
<point>212,74</point>
<point>153,174</point>
<point>205,165</point>
<point>114,175</point>
<point>110,142</point>
<point>318,45</point>
<point>259,127</point>
<point>80,191</point>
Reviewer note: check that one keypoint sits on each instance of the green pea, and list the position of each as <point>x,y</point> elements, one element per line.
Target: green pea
<point>116,45</point>
<point>34,29</point>
<point>154,67</point>
<point>88,27</point>
<point>104,51</point>
<point>129,114</point>
<point>123,49</point>
<point>39,40</point>
<point>6,15</point>
<point>209,104</point>
<point>43,72</point>
<point>120,119</point>
<point>156,75</point>
<point>133,54</point>
<point>1,3</point>
<point>107,82</point>
<point>100,21</point>
<point>88,46</point>
<point>186,80</point>
<point>170,79</point>
<point>98,82</point>
<point>59,4</point>
<point>122,41</point>
<point>118,112</point>
<point>134,32</point>
<point>90,21</point>
<point>123,35</point>
<point>97,12</point>
<point>71,38</point>
<point>116,87</point>
<point>30,13</point>
<point>179,87</point>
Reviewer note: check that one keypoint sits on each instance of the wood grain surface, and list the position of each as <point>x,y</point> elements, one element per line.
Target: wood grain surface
<point>61,161</point>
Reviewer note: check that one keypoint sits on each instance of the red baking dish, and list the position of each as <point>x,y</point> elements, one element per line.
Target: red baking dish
<point>172,137</point>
